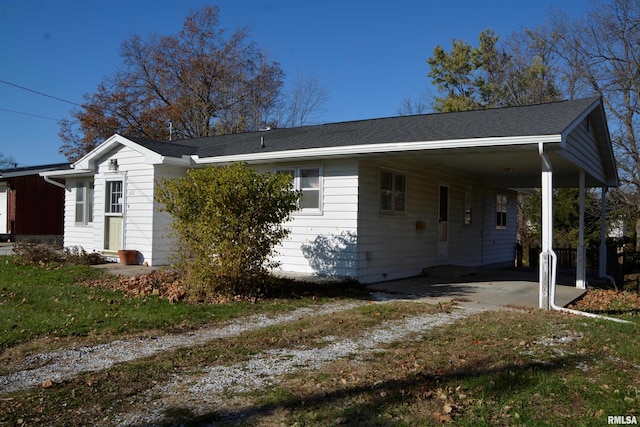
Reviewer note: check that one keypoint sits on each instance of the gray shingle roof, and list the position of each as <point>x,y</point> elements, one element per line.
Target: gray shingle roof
<point>541,119</point>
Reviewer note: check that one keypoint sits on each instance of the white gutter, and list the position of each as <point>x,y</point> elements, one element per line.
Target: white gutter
<point>68,173</point>
<point>548,258</point>
<point>63,174</point>
<point>56,183</point>
<point>266,156</point>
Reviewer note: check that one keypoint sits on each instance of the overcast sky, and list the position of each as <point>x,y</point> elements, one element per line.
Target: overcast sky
<point>368,54</point>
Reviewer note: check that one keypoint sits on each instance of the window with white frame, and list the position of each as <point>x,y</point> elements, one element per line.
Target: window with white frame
<point>392,192</point>
<point>501,211</point>
<point>84,202</point>
<point>468,205</point>
<point>307,180</point>
<point>114,197</point>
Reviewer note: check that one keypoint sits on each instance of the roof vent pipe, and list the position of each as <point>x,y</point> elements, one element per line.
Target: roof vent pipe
<point>262,141</point>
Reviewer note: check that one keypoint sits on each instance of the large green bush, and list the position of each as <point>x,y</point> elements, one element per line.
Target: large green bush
<point>228,220</point>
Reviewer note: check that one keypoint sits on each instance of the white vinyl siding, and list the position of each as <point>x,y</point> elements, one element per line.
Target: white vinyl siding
<point>165,244</point>
<point>581,149</point>
<point>324,244</point>
<point>395,246</point>
<point>76,234</point>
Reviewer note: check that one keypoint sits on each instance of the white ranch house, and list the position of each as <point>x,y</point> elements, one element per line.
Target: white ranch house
<point>382,198</point>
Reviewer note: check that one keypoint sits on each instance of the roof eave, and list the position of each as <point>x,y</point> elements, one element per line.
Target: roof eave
<point>89,160</point>
<point>354,150</point>
<point>176,161</point>
<point>70,173</point>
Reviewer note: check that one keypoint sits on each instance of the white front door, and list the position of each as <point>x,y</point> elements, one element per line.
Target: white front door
<point>113,215</point>
<point>3,208</point>
<point>443,223</point>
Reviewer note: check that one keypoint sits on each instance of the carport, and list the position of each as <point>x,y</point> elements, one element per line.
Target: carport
<point>569,149</point>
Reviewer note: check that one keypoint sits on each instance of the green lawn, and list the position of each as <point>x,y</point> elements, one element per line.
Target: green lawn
<point>55,302</point>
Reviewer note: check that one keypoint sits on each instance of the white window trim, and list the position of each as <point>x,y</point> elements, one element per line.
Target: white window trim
<point>502,208</point>
<point>106,191</point>
<point>88,192</point>
<point>467,214</point>
<point>392,211</point>
<point>297,181</point>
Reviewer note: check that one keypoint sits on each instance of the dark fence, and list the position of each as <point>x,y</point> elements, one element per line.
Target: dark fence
<point>617,261</point>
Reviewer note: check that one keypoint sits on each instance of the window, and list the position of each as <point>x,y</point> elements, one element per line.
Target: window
<point>468,206</point>
<point>392,192</point>
<point>84,202</point>
<point>308,181</point>
<point>114,195</point>
<point>501,211</point>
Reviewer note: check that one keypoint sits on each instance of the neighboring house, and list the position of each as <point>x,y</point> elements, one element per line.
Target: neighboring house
<point>382,198</point>
<point>31,209</point>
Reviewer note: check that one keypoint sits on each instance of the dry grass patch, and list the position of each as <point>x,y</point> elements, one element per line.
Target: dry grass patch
<point>496,368</point>
<point>76,402</point>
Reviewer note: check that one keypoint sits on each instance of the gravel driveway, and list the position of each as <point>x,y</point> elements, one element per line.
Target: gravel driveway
<point>210,388</point>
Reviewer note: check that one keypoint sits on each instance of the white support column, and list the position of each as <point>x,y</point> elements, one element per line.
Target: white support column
<point>603,234</point>
<point>581,268</point>
<point>547,256</point>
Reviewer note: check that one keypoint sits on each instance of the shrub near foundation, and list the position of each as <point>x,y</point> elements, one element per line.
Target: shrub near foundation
<point>228,220</point>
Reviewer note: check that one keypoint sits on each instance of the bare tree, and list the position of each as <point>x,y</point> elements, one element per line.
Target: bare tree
<point>602,54</point>
<point>6,161</point>
<point>304,103</point>
<point>411,106</point>
<point>201,80</point>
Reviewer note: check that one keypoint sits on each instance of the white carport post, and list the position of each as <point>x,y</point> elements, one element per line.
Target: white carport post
<point>581,267</point>
<point>547,256</point>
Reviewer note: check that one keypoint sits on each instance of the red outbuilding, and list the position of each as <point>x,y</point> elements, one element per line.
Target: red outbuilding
<point>30,208</point>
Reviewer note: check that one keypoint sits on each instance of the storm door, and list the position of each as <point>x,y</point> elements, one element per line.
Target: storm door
<point>113,214</point>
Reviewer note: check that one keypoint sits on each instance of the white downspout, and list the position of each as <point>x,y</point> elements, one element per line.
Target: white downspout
<point>548,258</point>
<point>56,183</point>
<point>581,268</point>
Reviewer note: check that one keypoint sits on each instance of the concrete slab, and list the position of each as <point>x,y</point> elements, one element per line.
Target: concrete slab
<point>497,288</point>
<point>6,248</point>
<point>118,269</point>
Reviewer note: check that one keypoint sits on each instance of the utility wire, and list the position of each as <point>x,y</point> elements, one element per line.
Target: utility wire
<point>40,93</point>
<point>29,114</point>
